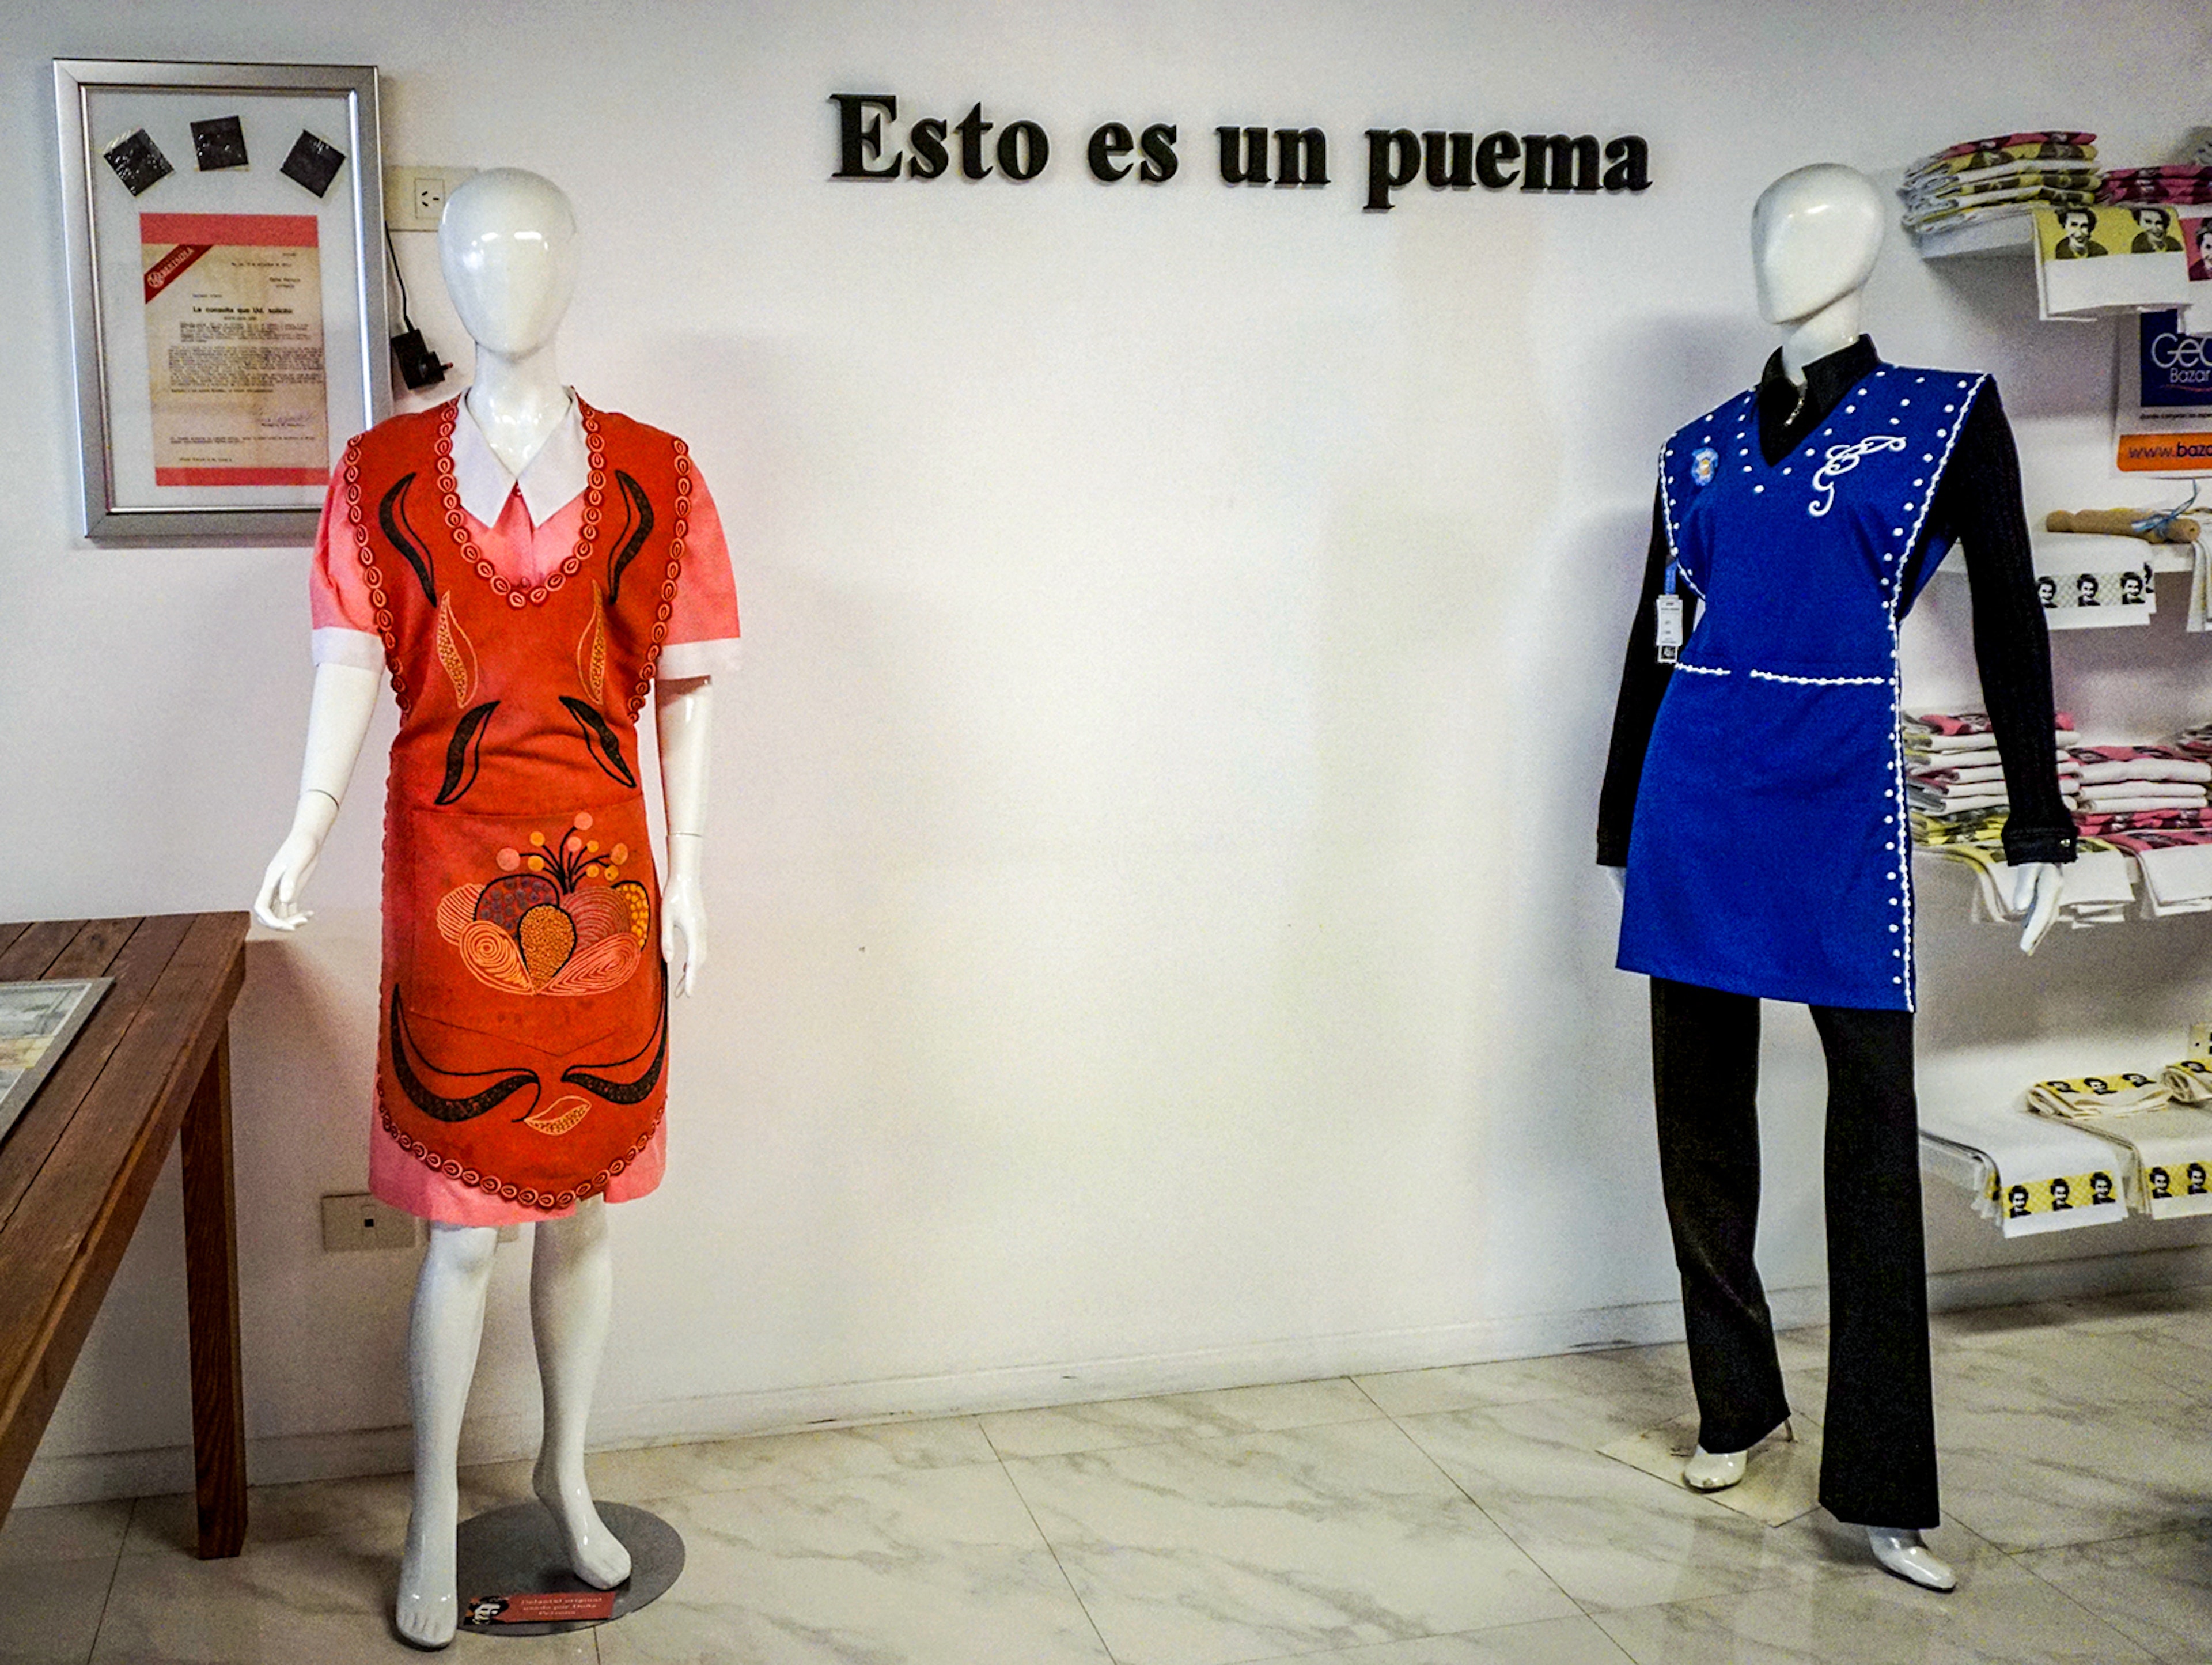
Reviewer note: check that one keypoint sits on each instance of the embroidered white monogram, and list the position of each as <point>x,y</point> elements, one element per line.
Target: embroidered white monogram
<point>1842,460</point>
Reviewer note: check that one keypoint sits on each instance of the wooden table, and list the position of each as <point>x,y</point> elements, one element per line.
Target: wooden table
<point>152,1059</point>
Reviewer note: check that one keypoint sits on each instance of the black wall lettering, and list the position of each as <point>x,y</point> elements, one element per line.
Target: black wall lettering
<point>1555,162</point>
<point>927,138</point>
<point>1301,156</point>
<point>1160,163</point>
<point>1498,161</point>
<point>1631,160</point>
<point>1023,149</point>
<point>1449,159</point>
<point>1393,156</point>
<point>860,135</point>
<point>1243,155</point>
<point>1108,144</point>
<point>867,148</point>
<point>971,128</point>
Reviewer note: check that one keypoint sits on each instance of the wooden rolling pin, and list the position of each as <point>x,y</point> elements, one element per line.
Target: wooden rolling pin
<point>2121,522</point>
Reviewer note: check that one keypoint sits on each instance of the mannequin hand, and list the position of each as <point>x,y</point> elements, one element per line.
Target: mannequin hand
<point>683,931</point>
<point>2036,887</point>
<point>276,904</point>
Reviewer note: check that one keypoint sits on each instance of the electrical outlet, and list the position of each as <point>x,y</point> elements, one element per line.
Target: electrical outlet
<point>354,1223</point>
<point>414,198</point>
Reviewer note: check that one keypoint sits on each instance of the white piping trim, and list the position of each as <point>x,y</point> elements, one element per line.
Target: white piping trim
<point>1928,498</point>
<point>1821,682</point>
<point>1704,670</point>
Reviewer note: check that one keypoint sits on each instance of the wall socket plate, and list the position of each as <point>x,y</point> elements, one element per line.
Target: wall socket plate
<point>415,197</point>
<point>351,1223</point>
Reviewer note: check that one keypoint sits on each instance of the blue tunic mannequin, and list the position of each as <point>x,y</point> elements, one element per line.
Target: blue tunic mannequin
<point>1779,733</point>
<point>1776,744</point>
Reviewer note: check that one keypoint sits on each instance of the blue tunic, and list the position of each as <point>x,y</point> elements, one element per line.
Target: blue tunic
<point>1770,853</point>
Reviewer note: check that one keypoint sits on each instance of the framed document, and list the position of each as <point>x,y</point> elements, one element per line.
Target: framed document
<point>38,1021</point>
<point>225,235</point>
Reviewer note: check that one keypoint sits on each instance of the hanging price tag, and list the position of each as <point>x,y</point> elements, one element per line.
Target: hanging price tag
<point>1669,631</point>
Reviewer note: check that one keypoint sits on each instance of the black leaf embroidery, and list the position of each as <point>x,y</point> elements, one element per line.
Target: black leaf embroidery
<point>629,1092</point>
<point>638,526</point>
<point>391,515</point>
<point>436,1107</point>
<point>601,741</point>
<point>464,752</point>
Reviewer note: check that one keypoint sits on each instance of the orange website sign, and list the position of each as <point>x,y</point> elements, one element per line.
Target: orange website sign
<point>2166,453</point>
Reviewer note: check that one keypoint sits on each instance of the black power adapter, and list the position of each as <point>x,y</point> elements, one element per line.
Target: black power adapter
<point>419,367</point>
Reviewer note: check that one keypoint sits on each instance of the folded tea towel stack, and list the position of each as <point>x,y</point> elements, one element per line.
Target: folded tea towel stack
<point>2000,177</point>
<point>2097,887</point>
<point>2128,187</point>
<point>1953,773</point>
<point>2170,1146</point>
<point>2081,1098</point>
<point>2146,777</point>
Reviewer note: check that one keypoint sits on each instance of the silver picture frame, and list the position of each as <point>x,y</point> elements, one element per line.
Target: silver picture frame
<point>38,1021</point>
<point>100,104</point>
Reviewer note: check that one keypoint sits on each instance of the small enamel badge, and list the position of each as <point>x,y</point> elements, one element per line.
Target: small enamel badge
<point>1702,462</point>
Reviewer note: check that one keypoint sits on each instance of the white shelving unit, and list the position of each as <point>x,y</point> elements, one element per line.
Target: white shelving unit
<point>2014,235</point>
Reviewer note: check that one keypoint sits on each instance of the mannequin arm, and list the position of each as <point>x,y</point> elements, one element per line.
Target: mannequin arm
<point>337,722</point>
<point>684,710</point>
<point>2036,887</point>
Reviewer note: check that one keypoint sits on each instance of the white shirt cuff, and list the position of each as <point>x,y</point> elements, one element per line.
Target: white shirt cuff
<point>680,660</point>
<point>335,645</point>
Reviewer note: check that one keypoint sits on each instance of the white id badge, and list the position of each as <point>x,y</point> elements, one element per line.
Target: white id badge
<point>1670,632</point>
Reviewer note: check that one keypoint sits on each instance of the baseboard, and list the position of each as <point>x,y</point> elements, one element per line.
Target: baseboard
<point>283,1458</point>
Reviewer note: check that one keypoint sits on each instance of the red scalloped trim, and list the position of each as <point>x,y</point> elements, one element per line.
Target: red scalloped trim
<point>457,519</point>
<point>508,1190</point>
<point>377,587</point>
<point>679,527</point>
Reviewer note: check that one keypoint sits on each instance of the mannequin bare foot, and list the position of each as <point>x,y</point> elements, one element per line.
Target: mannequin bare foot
<point>428,1613</point>
<point>1713,1471</point>
<point>595,1554</point>
<point>1902,1551</point>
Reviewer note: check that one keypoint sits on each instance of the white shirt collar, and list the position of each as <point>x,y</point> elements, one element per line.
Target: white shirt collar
<point>549,481</point>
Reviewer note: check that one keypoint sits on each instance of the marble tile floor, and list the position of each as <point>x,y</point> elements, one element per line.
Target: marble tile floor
<point>1454,1517</point>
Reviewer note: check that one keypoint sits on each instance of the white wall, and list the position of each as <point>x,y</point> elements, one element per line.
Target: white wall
<point>1157,937</point>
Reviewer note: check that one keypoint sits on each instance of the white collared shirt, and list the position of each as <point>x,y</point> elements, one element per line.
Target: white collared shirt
<point>704,633</point>
<point>549,481</point>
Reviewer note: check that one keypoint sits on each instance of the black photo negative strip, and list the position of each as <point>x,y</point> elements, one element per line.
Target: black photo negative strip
<point>138,161</point>
<point>312,163</point>
<point>219,143</point>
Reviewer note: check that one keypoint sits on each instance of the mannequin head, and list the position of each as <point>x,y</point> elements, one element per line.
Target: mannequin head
<point>1814,235</point>
<point>507,243</point>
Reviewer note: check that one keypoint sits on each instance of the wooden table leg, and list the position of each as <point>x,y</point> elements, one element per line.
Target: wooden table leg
<point>211,1303</point>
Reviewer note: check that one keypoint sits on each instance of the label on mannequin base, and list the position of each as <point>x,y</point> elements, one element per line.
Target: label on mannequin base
<point>542,1607</point>
<point>1670,628</point>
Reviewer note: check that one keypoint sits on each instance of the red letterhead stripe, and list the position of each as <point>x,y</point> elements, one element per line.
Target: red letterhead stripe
<point>241,476</point>
<point>240,230</point>
<point>172,266</point>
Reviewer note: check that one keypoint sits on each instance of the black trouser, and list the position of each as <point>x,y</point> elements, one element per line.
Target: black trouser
<point>1878,1463</point>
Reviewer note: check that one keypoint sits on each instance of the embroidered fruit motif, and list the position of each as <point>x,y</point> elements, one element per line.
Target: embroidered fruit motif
<point>558,1117</point>
<point>561,920</point>
<point>505,901</point>
<point>456,653</point>
<point>592,650</point>
<point>548,937</point>
<point>640,908</point>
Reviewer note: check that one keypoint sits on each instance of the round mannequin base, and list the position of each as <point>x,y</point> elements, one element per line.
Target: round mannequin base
<point>517,1551</point>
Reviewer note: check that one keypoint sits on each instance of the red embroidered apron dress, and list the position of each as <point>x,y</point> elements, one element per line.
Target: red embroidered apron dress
<point>523,1034</point>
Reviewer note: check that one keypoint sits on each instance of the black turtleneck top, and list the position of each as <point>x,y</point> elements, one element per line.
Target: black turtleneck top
<point>1978,505</point>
